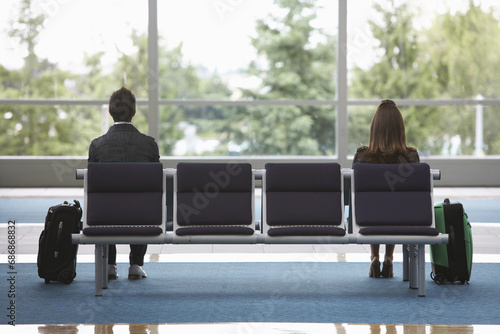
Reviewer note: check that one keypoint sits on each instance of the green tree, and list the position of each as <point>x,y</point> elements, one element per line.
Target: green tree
<point>463,49</point>
<point>178,79</point>
<point>67,130</point>
<point>295,61</point>
<point>96,82</point>
<point>402,72</point>
<point>36,130</point>
<point>182,80</point>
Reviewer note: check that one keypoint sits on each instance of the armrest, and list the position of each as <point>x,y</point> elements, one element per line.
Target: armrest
<point>80,174</point>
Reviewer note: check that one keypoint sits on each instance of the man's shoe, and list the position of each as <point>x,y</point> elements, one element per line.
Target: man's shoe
<point>112,275</point>
<point>136,272</point>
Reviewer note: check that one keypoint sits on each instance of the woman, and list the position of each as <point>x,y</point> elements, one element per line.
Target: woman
<point>387,146</point>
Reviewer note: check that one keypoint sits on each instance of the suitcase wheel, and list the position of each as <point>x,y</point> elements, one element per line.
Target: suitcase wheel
<point>65,277</point>
<point>47,281</point>
<point>439,278</point>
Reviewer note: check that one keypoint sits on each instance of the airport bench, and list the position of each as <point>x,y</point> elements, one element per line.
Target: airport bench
<point>302,203</point>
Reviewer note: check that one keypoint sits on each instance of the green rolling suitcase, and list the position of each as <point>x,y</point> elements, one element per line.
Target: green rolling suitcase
<point>452,262</point>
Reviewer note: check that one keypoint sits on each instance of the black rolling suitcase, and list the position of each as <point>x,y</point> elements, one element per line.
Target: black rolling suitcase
<point>452,262</point>
<point>56,254</point>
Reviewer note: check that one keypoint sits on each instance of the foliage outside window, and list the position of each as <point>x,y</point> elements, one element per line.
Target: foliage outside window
<point>408,50</point>
<point>451,56</point>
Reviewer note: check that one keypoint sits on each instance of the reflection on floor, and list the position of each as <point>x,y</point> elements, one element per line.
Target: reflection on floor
<point>250,328</point>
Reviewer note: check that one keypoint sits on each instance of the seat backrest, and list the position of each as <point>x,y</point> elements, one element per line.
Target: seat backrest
<point>303,194</point>
<point>392,194</point>
<point>124,194</point>
<point>214,194</point>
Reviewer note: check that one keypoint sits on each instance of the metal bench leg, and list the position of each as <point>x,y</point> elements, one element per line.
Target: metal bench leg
<point>413,267</point>
<point>421,270</point>
<point>406,265</point>
<point>98,253</point>
<point>105,252</point>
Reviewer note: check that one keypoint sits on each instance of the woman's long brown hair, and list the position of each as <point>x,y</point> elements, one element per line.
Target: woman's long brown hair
<point>387,130</point>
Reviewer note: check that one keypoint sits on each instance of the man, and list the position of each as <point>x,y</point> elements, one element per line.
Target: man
<point>124,143</point>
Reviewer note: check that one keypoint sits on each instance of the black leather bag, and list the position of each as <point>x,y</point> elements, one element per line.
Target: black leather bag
<point>56,259</point>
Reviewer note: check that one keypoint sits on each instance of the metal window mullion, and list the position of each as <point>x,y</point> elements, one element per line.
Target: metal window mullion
<point>341,91</point>
<point>153,76</point>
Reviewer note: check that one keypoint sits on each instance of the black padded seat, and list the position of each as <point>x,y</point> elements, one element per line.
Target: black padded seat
<point>399,230</point>
<point>124,199</point>
<point>214,199</point>
<point>392,199</point>
<point>304,199</point>
<point>307,231</point>
<point>123,230</point>
<point>215,230</point>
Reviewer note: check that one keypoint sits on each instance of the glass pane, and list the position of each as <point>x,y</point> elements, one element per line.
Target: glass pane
<point>56,130</point>
<point>48,130</point>
<point>428,49</point>
<point>68,49</point>
<point>359,127</point>
<point>245,131</point>
<point>437,130</point>
<point>247,49</point>
<point>491,132</point>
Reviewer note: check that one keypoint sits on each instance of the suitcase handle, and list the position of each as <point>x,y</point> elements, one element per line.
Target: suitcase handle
<point>58,245</point>
<point>451,241</point>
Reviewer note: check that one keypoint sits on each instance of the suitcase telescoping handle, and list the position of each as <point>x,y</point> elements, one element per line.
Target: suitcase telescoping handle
<point>59,232</point>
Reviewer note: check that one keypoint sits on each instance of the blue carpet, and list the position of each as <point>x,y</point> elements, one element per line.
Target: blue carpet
<point>252,292</point>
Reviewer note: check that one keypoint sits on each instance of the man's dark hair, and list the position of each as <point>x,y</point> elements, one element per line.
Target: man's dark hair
<point>122,105</point>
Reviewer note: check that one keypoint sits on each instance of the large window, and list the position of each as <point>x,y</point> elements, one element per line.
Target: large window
<point>70,53</point>
<point>250,78</point>
<point>435,57</point>
<point>248,51</point>
<point>270,130</point>
<point>253,49</point>
<point>68,49</point>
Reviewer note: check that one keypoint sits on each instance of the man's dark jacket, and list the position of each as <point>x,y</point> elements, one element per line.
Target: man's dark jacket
<point>124,143</point>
